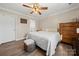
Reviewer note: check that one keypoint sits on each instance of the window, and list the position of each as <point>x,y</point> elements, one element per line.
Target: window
<point>23,21</point>
<point>32,25</point>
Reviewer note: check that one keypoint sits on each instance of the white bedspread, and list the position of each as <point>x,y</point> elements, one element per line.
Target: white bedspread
<point>46,40</point>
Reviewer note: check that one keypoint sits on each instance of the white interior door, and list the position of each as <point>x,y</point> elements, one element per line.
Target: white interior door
<point>7,28</point>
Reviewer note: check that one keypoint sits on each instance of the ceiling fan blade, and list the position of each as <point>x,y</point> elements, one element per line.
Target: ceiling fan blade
<point>39,13</point>
<point>31,12</point>
<point>27,6</point>
<point>44,8</point>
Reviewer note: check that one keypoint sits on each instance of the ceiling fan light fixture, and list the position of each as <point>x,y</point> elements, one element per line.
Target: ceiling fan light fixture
<point>36,11</point>
<point>36,8</point>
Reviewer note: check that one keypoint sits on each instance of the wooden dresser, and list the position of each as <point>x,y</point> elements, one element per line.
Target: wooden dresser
<point>68,31</point>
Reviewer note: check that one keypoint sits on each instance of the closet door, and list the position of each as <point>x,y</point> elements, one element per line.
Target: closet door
<point>7,28</point>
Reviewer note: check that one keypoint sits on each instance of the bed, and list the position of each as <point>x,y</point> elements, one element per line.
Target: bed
<point>46,40</point>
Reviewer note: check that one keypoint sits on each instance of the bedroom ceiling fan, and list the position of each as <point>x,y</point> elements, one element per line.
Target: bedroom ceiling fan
<point>36,8</point>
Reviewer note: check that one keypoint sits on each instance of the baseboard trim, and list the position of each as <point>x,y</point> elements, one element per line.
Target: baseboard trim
<point>20,39</point>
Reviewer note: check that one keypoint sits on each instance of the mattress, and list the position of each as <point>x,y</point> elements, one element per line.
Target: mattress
<point>46,40</point>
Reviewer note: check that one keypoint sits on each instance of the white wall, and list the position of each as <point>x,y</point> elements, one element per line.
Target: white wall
<point>7,28</point>
<point>52,22</point>
<point>20,29</point>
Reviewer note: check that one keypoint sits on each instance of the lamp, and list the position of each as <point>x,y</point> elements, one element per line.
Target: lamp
<point>78,33</point>
<point>77,30</point>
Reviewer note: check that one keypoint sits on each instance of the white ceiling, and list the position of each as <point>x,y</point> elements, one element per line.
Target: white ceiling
<point>53,8</point>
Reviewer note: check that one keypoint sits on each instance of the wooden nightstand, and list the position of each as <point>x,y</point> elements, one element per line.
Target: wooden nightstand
<point>76,45</point>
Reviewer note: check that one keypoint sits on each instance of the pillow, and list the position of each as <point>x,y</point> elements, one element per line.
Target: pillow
<point>51,30</point>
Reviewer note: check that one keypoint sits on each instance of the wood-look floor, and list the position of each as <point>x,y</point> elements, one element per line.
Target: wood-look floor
<point>61,50</point>
<point>12,48</point>
<point>16,48</point>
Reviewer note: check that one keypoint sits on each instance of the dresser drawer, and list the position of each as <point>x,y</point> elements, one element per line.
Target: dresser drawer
<point>68,36</point>
<point>67,40</point>
<point>68,24</point>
